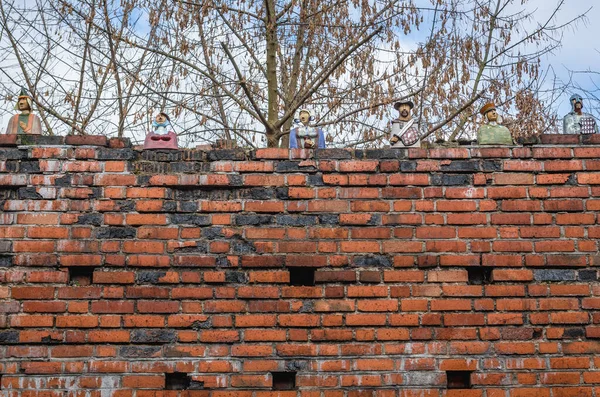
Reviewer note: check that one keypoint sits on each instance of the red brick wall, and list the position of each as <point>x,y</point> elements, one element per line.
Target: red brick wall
<point>468,259</point>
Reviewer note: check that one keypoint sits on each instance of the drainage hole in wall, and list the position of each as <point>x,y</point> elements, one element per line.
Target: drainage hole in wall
<point>458,379</point>
<point>302,276</point>
<point>81,275</point>
<point>177,381</point>
<point>479,275</point>
<point>284,380</point>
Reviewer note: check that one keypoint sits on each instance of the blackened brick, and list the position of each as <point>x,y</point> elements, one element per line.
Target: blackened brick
<point>372,261</point>
<point>461,166</point>
<point>90,219</point>
<point>138,351</point>
<point>185,219</point>
<point>150,277</point>
<point>245,220</point>
<point>554,275</point>
<point>451,180</point>
<point>9,337</point>
<point>236,277</point>
<point>115,154</point>
<point>152,336</point>
<point>28,167</point>
<point>115,233</point>
<point>296,220</point>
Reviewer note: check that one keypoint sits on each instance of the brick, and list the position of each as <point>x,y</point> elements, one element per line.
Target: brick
<point>552,153</point>
<point>511,219</point>
<point>569,318</point>
<point>401,247</point>
<point>32,292</point>
<point>47,232</point>
<point>157,306</point>
<point>38,219</point>
<point>506,193</point>
<point>521,205</point>
<point>572,191</point>
<point>409,179</point>
<point>512,275</point>
<point>512,246</point>
<point>112,307</point>
<point>450,305</point>
<point>566,260</point>
<point>365,320</point>
<point>575,219</point>
<point>44,307</point>
<point>114,277</point>
<point>114,180</point>
<point>358,166</point>
<point>146,219</point>
<point>513,179</point>
<point>264,206</point>
<point>522,165</point>
<point>436,232</point>
<point>466,219</point>
<point>464,319</point>
<point>447,276</point>
<point>77,321</point>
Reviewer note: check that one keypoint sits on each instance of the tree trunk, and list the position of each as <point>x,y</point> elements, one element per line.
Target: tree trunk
<point>272,98</point>
<point>272,138</point>
<point>284,142</point>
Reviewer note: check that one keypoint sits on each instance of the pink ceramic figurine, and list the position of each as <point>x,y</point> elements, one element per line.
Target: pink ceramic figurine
<point>163,136</point>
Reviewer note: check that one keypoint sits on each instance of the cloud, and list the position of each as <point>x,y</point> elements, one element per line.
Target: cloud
<point>578,51</point>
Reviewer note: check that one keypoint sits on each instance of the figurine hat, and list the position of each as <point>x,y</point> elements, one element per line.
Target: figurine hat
<point>24,94</point>
<point>310,117</point>
<point>487,107</point>
<point>400,103</point>
<point>576,97</point>
<point>166,116</point>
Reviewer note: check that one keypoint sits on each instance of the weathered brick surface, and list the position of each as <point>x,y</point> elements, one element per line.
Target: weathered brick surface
<point>119,266</point>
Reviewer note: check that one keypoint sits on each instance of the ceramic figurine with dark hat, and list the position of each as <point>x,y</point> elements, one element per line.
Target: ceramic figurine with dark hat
<point>25,122</point>
<point>306,136</point>
<point>492,133</point>
<point>163,136</point>
<point>405,130</point>
<point>578,122</point>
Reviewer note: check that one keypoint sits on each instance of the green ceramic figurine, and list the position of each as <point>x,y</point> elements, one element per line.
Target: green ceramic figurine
<point>25,122</point>
<point>493,133</point>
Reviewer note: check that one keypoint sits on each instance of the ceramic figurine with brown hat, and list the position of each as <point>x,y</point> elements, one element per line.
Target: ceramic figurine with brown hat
<point>163,136</point>
<point>306,136</point>
<point>405,130</point>
<point>492,133</point>
<point>25,122</point>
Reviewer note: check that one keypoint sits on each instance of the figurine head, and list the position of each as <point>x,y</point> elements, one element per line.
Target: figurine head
<point>305,116</point>
<point>162,118</point>
<point>24,102</point>
<point>404,107</point>
<point>489,111</point>
<point>576,103</point>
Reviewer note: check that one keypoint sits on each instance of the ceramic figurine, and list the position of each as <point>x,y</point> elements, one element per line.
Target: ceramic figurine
<point>578,122</point>
<point>305,136</point>
<point>405,130</point>
<point>492,133</point>
<point>163,136</point>
<point>26,122</point>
